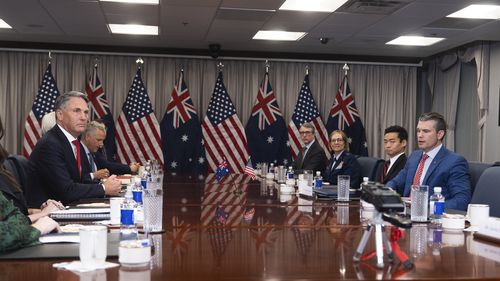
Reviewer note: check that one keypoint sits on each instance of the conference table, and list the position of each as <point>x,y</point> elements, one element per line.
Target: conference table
<point>266,235</point>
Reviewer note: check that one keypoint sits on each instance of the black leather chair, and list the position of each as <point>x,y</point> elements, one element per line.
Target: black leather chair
<point>18,166</point>
<point>476,169</point>
<point>487,190</point>
<point>371,167</point>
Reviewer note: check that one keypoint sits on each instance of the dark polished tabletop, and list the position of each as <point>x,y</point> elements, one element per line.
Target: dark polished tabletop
<point>286,238</point>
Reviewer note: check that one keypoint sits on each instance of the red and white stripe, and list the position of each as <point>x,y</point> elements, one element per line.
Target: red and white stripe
<point>138,141</point>
<point>32,132</point>
<point>226,140</point>
<point>321,135</point>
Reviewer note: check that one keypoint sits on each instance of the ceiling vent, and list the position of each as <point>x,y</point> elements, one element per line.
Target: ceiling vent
<point>380,7</point>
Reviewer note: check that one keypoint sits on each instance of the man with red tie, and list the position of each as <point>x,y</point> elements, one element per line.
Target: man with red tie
<point>395,141</point>
<point>58,167</point>
<point>434,165</point>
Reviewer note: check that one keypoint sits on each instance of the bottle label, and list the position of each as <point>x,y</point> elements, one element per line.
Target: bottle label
<point>127,216</point>
<point>438,208</point>
<point>144,183</point>
<point>290,176</point>
<point>137,196</point>
<point>318,183</point>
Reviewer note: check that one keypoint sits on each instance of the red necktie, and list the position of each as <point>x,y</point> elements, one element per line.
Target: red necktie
<point>76,143</point>
<point>386,169</point>
<point>420,169</point>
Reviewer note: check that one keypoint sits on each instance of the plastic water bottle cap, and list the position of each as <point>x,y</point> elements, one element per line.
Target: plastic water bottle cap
<point>366,179</point>
<point>437,189</point>
<point>318,173</point>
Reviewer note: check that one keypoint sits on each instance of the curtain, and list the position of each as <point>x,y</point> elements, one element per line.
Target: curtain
<point>384,94</point>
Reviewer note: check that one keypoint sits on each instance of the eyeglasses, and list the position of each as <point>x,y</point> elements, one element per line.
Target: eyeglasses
<point>336,140</point>
<point>305,132</point>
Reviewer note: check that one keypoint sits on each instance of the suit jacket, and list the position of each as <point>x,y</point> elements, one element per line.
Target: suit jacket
<point>396,167</point>
<point>114,168</point>
<point>447,170</point>
<point>53,172</point>
<point>315,159</point>
<point>347,164</point>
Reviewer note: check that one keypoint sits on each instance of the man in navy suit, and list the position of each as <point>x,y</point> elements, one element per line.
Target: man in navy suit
<point>395,141</point>
<point>434,165</point>
<point>312,156</point>
<point>93,141</point>
<point>58,166</point>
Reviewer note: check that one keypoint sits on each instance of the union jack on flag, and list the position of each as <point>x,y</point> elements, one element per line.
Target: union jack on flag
<point>43,104</point>
<point>344,116</point>
<point>266,106</point>
<point>99,109</point>
<point>222,170</point>
<point>180,103</point>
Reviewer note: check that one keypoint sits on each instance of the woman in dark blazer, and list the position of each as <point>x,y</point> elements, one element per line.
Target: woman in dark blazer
<point>342,162</point>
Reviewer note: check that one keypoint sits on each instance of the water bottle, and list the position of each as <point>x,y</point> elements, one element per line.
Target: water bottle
<point>128,230</point>
<point>318,180</point>
<point>436,206</point>
<point>289,173</point>
<point>137,190</point>
<point>366,180</point>
<point>271,168</point>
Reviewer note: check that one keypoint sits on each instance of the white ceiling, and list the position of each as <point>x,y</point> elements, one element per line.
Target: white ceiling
<point>362,29</point>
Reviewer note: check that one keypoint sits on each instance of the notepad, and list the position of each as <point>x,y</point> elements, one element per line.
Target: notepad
<point>82,214</point>
<point>60,238</point>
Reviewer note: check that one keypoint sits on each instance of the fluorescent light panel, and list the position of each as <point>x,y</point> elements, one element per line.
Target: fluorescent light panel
<point>146,2</point>
<point>477,12</point>
<point>278,35</point>
<point>312,5</point>
<point>3,24</point>
<point>135,29</point>
<point>415,41</point>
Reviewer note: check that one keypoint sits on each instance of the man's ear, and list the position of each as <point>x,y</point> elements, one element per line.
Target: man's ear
<point>440,135</point>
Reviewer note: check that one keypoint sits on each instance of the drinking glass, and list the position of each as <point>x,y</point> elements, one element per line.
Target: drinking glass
<point>343,184</point>
<point>419,203</point>
<point>153,210</point>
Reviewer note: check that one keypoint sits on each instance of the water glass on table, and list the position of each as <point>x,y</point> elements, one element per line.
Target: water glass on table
<point>93,246</point>
<point>153,210</point>
<point>343,184</point>
<point>419,203</point>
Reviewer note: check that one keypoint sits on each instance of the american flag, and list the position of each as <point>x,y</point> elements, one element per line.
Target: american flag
<point>249,170</point>
<point>223,132</point>
<point>344,116</point>
<point>181,133</point>
<point>99,109</point>
<point>43,104</point>
<point>137,130</point>
<point>306,110</point>
<point>266,129</point>
<point>222,170</point>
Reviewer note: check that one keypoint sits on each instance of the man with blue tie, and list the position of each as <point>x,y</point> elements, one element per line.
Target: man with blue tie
<point>92,140</point>
<point>434,165</point>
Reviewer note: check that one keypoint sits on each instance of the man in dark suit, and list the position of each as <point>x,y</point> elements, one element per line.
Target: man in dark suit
<point>395,141</point>
<point>434,165</point>
<point>93,141</point>
<point>58,166</point>
<point>312,156</point>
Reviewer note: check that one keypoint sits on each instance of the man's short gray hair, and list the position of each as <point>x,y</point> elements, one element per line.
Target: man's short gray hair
<point>92,127</point>
<point>62,100</point>
<point>309,126</point>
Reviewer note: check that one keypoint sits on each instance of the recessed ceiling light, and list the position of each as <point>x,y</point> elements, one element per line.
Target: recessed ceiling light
<point>136,29</point>
<point>477,12</point>
<point>312,5</point>
<point>146,2</point>
<point>3,24</point>
<point>278,35</point>
<point>415,41</point>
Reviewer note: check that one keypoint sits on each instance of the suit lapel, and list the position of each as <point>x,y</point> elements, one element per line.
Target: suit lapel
<point>69,153</point>
<point>435,163</point>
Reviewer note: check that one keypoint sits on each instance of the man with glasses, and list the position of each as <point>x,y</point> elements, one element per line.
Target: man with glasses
<point>311,156</point>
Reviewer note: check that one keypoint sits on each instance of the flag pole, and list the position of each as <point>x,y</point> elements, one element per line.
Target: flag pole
<point>346,69</point>
<point>220,66</point>
<point>267,65</point>
<point>139,62</point>
<point>96,61</point>
<point>307,69</point>
<point>50,57</point>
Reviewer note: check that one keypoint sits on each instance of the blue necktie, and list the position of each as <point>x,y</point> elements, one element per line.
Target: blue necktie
<point>92,163</point>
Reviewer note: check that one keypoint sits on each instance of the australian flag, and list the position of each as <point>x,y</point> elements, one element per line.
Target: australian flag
<point>99,108</point>
<point>181,135</point>
<point>344,116</point>
<point>266,130</point>
<point>222,170</point>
